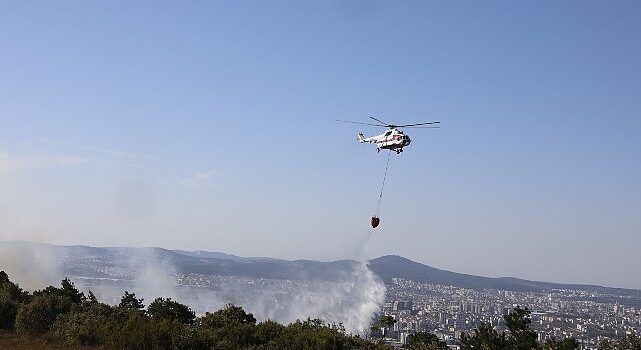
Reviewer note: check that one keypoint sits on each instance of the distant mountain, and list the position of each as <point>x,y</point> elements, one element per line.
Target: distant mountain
<point>118,262</point>
<point>390,266</point>
<point>218,255</point>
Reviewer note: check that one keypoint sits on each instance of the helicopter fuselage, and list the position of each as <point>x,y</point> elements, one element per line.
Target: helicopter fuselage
<point>392,139</point>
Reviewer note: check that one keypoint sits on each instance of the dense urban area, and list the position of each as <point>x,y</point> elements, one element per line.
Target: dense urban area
<point>448,311</point>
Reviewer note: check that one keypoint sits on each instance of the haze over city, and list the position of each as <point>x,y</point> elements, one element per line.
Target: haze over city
<point>211,126</point>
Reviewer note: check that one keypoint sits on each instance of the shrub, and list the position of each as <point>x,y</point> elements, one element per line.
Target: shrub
<point>8,312</point>
<point>167,309</point>
<point>38,316</point>
<point>90,324</point>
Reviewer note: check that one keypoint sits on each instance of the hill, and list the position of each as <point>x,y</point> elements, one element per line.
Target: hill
<point>390,266</point>
<point>115,262</point>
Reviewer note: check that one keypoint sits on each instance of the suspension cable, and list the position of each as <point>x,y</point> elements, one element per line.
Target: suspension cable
<point>380,196</point>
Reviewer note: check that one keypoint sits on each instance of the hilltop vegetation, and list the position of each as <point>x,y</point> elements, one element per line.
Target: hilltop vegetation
<point>65,318</point>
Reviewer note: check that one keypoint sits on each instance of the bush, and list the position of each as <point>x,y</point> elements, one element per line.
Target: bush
<point>167,309</point>
<point>629,342</point>
<point>129,301</point>
<point>139,331</point>
<point>67,289</point>
<point>11,290</point>
<point>89,324</point>
<point>38,316</point>
<point>268,331</point>
<point>314,334</point>
<point>425,340</point>
<point>8,312</point>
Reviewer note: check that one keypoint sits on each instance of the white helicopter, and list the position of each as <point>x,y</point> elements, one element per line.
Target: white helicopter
<point>392,139</point>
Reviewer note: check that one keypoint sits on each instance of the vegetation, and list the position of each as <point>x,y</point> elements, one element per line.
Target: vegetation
<point>519,336</point>
<point>425,341</point>
<point>64,318</point>
<point>629,342</point>
<point>378,327</point>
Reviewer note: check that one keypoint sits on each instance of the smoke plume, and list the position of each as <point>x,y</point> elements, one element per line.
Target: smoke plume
<point>350,297</point>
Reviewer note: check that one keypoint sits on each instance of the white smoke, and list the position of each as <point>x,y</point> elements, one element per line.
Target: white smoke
<point>154,276</point>
<point>350,298</point>
<point>32,266</point>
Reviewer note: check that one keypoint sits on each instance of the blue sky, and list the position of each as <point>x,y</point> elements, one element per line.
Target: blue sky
<point>209,125</point>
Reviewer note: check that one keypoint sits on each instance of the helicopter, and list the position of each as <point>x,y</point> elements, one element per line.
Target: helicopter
<point>392,139</point>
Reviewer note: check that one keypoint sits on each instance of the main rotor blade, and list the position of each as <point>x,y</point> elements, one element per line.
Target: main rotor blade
<point>410,125</point>
<point>380,121</point>
<point>423,127</point>
<point>347,121</point>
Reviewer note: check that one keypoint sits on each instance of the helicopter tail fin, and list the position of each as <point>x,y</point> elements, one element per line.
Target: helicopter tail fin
<point>361,138</point>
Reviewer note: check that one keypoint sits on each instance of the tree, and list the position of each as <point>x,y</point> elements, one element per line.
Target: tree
<point>485,337</point>
<point>168,309</point>
<point>91,297</point>
<point>228,328</point>
<point>4,278</point>
<point>10,297</point>
<point>230,314</point>
<point>268,331</point>
<point>67,289</point>
<point>313,334</point>
<point>425,341</point>
<point>11,290</point>
<point>379,326</point>
<point>521,336</point>
<point>565,344</point>
<point>8,312</point>
<point>91,323</point>
<point>70,290</point>
<point>38,316</point>
<point>628,342</point>
<point>129,301</point>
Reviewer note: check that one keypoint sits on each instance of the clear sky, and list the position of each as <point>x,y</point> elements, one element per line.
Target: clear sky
<point>210,125</point>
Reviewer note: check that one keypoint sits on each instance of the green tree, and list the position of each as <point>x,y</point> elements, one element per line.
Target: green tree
<point>565,344</point>
<point>129,301</point>
<point>11,290</point>
<point>485,337</point>
<point>163,309</point>
<point>90,324</point>
<point>425,341</point>
<point>230,314</point>
<point>268,331</point>
<point>139,331</point>
<point>8,312</point>
<point>379,327</point>
<point>37,316</point>
<point>314,334</point>
<point>228,328</point>
<point>628,342</point>
<point>91,297</point>
<point>606,344</point>
<point>521,336</point>
<point>67,289</point>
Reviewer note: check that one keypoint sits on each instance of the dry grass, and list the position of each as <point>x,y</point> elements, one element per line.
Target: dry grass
<point>11,341</point>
